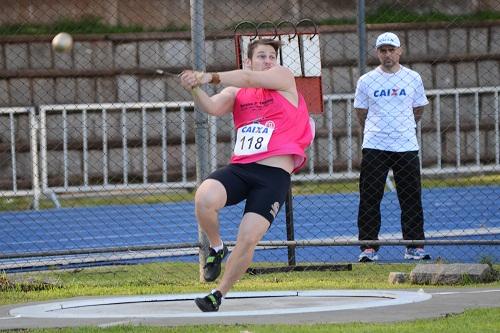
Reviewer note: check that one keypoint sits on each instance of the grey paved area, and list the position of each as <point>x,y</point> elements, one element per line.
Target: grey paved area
<point>243,310</point>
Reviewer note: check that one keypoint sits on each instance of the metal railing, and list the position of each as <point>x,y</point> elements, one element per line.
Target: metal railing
<point>87,130</point>
<point>10,117</point>
<point>456,93</point>
<point>104,111</point>
<point>435,96</point>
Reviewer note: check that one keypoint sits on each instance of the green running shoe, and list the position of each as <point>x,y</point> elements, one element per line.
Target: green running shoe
<point>209,303</point>
<point>212,268</point>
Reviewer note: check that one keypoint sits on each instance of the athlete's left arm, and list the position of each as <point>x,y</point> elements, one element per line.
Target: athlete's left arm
<point>276,78</point>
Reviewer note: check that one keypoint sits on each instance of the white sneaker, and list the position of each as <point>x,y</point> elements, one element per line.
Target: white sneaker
<point>368,255</point>
<point>417,253</point>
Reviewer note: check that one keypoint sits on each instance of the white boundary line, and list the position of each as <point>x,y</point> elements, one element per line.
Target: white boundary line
<point>466,292</point>
<point>381,298</point>
<point>429,234</point>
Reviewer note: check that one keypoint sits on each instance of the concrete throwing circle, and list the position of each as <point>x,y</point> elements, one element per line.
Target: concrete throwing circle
<point>235,304</point>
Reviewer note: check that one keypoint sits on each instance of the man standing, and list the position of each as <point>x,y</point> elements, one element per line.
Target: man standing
<point>272,131</point>
<point>389,102</point>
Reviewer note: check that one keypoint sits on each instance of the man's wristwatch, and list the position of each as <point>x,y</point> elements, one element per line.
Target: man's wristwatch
<point>215,78</point>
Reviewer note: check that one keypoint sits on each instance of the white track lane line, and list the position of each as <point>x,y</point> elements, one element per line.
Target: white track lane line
<point>466,292</point>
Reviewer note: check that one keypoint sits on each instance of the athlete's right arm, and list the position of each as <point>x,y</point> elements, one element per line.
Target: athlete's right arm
<point>216,105</point>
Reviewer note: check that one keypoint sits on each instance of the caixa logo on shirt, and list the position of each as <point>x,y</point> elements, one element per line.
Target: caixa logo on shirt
<point>256,128</point>
<point>389,92</point>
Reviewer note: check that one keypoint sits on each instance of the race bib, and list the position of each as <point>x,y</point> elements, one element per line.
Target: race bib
<point>252,139</point>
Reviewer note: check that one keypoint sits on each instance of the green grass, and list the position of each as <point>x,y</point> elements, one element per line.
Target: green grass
<point>86,25</point>
<point>25,203</point>
<point>388,14</point>
<point>160,278</point>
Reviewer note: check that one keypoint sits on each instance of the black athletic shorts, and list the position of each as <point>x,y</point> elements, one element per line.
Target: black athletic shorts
<point>265,188</point>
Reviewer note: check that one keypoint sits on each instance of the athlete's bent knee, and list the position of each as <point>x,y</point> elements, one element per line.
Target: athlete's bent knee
<point>211,195</point>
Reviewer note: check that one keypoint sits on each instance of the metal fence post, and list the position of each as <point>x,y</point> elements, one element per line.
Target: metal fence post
<point>35,173</point>
<point>361,37</point>
<point>290,232</point>
<point>201,118</point>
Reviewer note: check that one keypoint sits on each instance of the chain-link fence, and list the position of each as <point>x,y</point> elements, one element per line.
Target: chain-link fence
<point>101,148</point>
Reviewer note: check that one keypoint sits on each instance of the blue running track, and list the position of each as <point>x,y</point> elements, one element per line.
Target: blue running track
<point>450,213</point>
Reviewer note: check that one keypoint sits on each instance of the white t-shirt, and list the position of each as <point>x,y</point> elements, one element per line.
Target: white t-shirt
<point>390,99</point>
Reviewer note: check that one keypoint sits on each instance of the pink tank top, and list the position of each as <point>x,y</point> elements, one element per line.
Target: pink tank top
<point>292,132</point>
